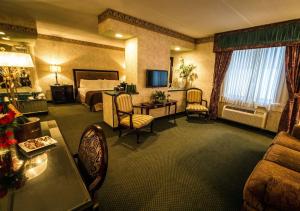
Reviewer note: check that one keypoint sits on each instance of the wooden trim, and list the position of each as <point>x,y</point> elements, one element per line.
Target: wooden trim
<point>20,29</point>
<point>79,42</point>
<point>204,40</point>
<point>119,16</point>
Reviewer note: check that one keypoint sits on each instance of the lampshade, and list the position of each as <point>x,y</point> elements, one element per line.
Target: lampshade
<point>55,68</point>
<point>14,59</point>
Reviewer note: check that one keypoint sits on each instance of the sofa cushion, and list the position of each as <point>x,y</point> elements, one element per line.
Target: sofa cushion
<point>284,156</point>
<point>284,139</point>
<point>258,181</point>
<point>283,194</point>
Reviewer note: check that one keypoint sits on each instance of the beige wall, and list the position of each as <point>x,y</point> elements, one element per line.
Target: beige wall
<point>131,60</point>
<point>204,59</point>
<point>152,51</point>
<point>72,56</point>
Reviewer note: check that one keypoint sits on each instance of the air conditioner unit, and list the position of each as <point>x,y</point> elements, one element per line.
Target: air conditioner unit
<point>253,117</point>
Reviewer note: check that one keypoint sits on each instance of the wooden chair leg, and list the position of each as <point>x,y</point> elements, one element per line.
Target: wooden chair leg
<point>187,115</point>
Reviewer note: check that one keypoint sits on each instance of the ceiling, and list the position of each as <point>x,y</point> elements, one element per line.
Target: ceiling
<point>196,18</point>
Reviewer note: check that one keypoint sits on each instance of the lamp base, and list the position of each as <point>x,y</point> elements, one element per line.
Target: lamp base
<point>56,84</point>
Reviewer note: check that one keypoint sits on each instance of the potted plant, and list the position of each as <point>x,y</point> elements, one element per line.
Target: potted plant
<point>186,73</point>
<point>158,97</point>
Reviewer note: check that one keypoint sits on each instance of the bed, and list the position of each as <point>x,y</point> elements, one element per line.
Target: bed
<point>89,85</point>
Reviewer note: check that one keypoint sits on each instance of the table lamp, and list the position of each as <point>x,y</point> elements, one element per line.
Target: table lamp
<point>55,69</point>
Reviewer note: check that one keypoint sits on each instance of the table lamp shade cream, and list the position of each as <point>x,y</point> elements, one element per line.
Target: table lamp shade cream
<point>55,68</point>
<point>15,59</point>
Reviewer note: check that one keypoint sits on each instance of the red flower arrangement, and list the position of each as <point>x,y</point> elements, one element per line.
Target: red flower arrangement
<point>7,123</point>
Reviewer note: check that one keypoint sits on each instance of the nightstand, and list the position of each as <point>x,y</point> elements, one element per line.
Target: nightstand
<point>62,93</point>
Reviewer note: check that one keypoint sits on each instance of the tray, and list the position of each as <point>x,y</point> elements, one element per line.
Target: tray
<point>32,145</point>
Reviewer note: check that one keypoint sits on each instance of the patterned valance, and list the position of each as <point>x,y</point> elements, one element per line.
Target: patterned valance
<point>277,34</point>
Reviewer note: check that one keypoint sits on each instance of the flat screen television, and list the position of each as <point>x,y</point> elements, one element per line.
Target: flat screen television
<point>156,78</point>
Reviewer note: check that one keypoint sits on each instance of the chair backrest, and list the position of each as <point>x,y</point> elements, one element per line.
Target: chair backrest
<point>194,95</point>
<point>93,157</point>
<point>124,103</point>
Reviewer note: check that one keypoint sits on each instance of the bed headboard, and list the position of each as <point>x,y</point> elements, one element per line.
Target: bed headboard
<point>93,75</point>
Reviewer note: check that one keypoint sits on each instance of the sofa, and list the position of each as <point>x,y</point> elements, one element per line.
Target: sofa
<point>274,184</point>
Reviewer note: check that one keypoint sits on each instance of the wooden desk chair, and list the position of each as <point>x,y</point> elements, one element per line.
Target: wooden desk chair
<point>127,118</point>
<point>92,159</point>
<point>194,103</point>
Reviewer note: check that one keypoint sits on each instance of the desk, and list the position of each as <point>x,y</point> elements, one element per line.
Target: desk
<point>58,187</point>
<point>149,106</point>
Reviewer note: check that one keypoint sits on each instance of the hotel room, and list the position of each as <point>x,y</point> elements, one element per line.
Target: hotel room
<point>149,105</point>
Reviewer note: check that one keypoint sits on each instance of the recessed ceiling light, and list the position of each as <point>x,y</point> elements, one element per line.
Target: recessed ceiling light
<point>5,38</point>
<point>2,33</point>
<point>177,49</point>
<point>118,35</point>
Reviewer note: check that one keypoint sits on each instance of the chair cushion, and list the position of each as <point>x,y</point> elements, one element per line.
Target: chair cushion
<point>196,107</point>
<point>124,103</point>
<point>194,96</point>
<point>138,120</point>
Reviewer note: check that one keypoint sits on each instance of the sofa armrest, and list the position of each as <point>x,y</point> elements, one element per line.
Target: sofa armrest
<point>283,194</point>
<point>296,131</point>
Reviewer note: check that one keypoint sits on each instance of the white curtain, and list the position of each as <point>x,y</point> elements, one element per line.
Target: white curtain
<point>255,77</point>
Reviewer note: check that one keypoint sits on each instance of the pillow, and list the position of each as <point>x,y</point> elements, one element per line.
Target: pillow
<point>92,84</point>
<point>99,84</point>
<point>83,83</point>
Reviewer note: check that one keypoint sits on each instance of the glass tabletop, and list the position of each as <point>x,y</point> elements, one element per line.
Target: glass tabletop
<point>54,182</point>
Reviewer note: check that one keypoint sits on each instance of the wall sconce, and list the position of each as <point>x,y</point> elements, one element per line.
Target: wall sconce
<point>55,69</point>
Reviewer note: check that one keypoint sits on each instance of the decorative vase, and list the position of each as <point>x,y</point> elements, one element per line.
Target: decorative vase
<point>183,83</point>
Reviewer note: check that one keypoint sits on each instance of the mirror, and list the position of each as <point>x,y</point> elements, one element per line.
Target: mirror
<point>18,33</point>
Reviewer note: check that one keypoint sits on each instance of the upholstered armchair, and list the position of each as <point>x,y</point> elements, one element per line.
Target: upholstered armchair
<point>194,103</point>
<point>127,118</point>
<point>92,159</point>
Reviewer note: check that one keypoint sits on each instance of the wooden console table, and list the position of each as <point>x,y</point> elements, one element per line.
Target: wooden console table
<point>149,106</point>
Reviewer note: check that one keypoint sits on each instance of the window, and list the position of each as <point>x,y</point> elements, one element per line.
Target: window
<point>255,77</point>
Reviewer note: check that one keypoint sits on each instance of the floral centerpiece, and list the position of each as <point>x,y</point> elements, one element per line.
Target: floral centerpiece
<point>10,165</point>
<point>158,97</point>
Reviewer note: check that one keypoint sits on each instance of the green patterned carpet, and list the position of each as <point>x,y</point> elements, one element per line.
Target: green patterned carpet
<point>195,165</point>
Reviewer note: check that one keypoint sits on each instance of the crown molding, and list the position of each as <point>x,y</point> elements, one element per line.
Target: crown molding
<point>116,15</point>
<point>204,40</point>
<point>19,29</point>
<point>79,42</point>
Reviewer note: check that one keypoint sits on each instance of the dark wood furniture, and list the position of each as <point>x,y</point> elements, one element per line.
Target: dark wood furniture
<point>194,103</point>
<point>92,158</point>
<point>56,183</point>
<point>35,106</point>
<point>62,93</point>
<point>127,118</point>
<point>148,106</point>
<point>28,102</point>
<point>87,74</point>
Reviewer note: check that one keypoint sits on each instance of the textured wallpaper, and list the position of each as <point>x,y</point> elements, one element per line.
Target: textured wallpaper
<point>72,56</point>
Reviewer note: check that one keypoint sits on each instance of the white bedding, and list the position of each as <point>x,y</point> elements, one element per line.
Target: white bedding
<point>95,85</point>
